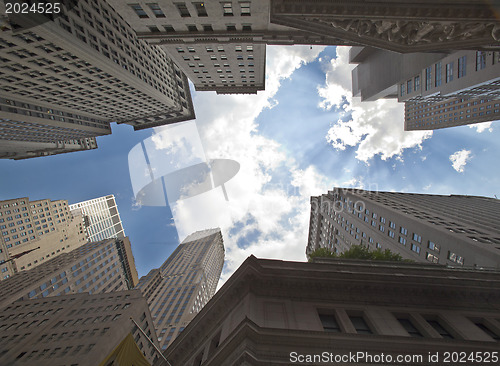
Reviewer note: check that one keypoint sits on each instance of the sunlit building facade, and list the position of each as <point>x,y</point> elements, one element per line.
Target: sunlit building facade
<point>187,280</point>
<point>101,218</point>
<point>455,230</point>
<point>32,232</point>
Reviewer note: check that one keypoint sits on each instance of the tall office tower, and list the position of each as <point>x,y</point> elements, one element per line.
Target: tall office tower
<point>101,218</point>
<point>77,329</point>
<point>65,79</point>
<point>96,267</point>
<point>450,113</point>
<point>220,45</point>
<point>180,288</point>
<point>31,232</point>
<point>337,312</point>
<point>439,89</point>
<point>455,230</point>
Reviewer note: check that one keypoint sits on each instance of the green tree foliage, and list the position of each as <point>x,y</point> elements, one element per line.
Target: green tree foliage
<point>359,252</point>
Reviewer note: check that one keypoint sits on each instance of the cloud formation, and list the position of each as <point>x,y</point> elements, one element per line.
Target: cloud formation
<point>481,127</point>
<point>373,128</point>
<point>459,159</point>
<point>267,214</point>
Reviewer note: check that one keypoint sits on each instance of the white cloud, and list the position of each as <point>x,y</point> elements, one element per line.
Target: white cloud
<point>277,213</point>
<point>459,159</point>
<point>374,128</point>
<point>481,127</point>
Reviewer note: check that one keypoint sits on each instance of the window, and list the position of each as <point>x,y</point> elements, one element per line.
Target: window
<point>200,9</point>
<point>402,89</point>
<point>408,86</point>
<point>449,72</point>
<point>329,323</point>
<point>462,65</point>
<point>155,8</point>
<point>433,246</point>
<point>438,74</point>
<point>440,329</point>
<point>415,248</point>
<point>410,328</point>
<point>139,11</point>
<point>428,78</point>
<point>480,60</point>
<point>402,240</point>
<point>432,258</point>
<point>183,10</point>
<point>391,233</point>
<point>231,27</point>
<point>192,28</point>
<point>360,325</point>
<point>245,8</point>
<point>227,8</point>
<point>487,330</point>
<point>417,238</point>
<point>417,83</point>
<point>455,258</point>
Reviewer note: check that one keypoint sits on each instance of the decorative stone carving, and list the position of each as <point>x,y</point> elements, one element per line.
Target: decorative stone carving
<point>414,32</point>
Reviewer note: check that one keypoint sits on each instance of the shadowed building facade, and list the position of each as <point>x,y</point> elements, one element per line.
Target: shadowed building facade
<point>77,330</point>
<point>96,267</point>
<point>63,81</point>
<point>272,312</point>
<point>454,230</point>
<point>187,280</point>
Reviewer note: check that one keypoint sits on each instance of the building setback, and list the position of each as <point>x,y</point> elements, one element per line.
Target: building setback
<point>44,228</point>
<point>96,267</point>
<point>184,283</point>
<point>274,312</point>
<point>65,80</point>
<point>77,329</point>
<point>101,218</point>
<point>454,230</point>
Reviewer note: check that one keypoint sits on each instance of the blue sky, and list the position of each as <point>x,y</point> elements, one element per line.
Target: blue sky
<point>300,137</point>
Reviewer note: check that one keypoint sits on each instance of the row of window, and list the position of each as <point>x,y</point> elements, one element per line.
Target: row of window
<point>227,9</point>
<point>413,328</point>
<point>435,80</point>
<point>230,27</point>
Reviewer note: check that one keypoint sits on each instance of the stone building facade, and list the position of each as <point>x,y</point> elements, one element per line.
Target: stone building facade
<point>344,312</point>
<point>42,229</point>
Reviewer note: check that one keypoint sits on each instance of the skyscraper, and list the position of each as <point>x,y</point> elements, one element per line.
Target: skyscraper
<point>76,329</point>
<point>63,81</point>
<point>439,89</point>
<point>95,267</point>
<point>220,45</point>
<point>184,283</point>
<point>101,218</point>
<point>455,230</point>
<point>40,229</point>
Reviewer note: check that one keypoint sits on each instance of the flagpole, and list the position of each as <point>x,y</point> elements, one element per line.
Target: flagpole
<point>150,341</point>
